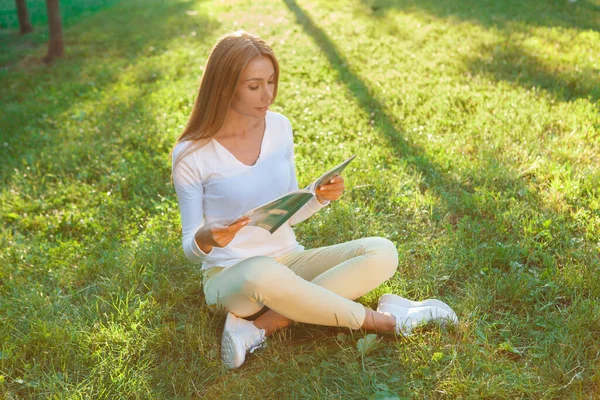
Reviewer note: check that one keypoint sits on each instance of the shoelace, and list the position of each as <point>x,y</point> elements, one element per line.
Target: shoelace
<point>261,343</point>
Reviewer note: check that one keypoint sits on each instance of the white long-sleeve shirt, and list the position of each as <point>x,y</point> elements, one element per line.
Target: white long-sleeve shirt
<point>214,186</point>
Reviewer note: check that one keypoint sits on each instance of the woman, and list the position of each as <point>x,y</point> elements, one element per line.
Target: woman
<point>235,155</point>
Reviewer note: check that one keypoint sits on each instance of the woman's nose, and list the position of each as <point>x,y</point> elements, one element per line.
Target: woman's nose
<point>267,94</point>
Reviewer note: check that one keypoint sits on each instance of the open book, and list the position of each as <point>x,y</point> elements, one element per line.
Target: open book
<point>275,213</point>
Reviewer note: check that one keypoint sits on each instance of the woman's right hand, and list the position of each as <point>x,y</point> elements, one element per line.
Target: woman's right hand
<point>216,235</point>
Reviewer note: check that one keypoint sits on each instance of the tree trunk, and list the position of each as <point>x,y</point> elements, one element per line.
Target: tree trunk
<point>56,47</point>
<point>24,21</point>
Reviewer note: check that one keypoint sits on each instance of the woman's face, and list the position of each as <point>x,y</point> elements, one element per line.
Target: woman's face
<point>254,92</point>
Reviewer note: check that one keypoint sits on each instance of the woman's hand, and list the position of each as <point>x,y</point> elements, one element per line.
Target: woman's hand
<point>332,190</point>
<point>208,237</point>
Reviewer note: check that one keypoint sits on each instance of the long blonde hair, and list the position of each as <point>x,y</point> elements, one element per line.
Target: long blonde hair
<point>222,71</point>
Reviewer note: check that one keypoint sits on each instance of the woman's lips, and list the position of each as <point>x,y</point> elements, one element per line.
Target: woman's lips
<point>262,108</point>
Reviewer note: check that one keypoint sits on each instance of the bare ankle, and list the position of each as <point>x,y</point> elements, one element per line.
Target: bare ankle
<point>378,322</point>
<point>273,327</point>
<point>271,322</point>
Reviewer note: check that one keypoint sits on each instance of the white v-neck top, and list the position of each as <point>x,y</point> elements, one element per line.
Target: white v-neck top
<point>213,186</point>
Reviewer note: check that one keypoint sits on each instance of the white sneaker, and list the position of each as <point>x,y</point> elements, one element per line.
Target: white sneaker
<point>239,337</point>
<point>401,301</point>
<point>408,318</point>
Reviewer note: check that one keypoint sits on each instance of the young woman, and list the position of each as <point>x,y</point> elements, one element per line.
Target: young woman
<point>235,155</point>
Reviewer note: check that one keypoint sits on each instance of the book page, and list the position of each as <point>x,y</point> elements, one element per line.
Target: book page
<point>329,175</point>
<point>272,215</point>
<point>275,213</point>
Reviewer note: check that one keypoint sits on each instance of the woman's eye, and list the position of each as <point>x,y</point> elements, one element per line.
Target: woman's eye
<point>253,87</point>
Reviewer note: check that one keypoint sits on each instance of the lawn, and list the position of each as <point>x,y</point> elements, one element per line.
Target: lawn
<point>477,129</point>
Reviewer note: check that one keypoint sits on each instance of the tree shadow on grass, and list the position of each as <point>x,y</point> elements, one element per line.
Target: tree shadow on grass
<point>99,49</point>
<point>459,199</point>
<point>579,15</point>
<point>14,46</point>
<point>508,61</point>
<point>513,265</point>
<point>435,176</point>
<point>70,10</point>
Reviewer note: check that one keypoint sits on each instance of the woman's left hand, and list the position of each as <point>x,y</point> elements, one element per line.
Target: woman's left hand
<point>332,190</point>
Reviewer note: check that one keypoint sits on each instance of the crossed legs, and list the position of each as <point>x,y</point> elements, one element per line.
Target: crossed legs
<point>313,286</point>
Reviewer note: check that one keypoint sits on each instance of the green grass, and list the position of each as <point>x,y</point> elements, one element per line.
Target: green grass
<point>13,46</point>
<point>71,11</point>
<point>477,127</point>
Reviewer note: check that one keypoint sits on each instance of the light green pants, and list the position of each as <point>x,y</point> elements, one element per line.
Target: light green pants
<point>314,286</point>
